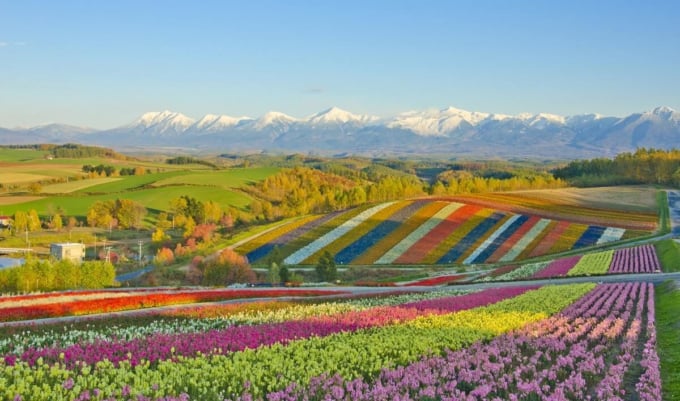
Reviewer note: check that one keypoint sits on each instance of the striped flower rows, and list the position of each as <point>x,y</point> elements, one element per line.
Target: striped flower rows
<point>589,351</point>
<point>638,259</point>
<point>215,364</point>
<point>433,232</point>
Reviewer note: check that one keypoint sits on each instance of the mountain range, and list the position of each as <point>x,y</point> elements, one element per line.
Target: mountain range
<point>448,131</point>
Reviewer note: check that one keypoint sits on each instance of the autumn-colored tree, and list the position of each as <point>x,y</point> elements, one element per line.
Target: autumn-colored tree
<point>204,232</point>
<point>212,211</point>
<point>164,256</point>
<point>33,220</point>
<point>20,221</point>
<point>101,213</point>
<point>189,226</point>
<point>228,267</point>
<point>162,222</point>
<point>57,222</point>
<point>159,236</point>
<point>129,213</point>
<point>227,221</point>
<point>72,223</point>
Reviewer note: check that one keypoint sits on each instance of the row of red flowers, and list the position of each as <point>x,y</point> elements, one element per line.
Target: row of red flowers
<point>150,300</point>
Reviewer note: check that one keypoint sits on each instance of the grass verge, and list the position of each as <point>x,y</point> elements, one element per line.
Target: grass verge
<point>668,331</point>
<point>669,255</point>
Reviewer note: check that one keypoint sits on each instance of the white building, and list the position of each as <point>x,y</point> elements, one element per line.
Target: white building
<point>73,251</point>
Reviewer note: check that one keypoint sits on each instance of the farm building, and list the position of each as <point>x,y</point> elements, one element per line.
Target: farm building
<point>73,251</point>
<point>5,221</point>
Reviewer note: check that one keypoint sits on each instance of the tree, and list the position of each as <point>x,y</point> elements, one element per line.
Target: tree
<point>164,256</point>
<point>227,268</point>
<point>325,268</point>
<point>163,223</point>
<point>284,274</point>
<point>159,236</point>
<point>33,220</point>
<point>129,213</point>
<point>212,211</point>
<point>20,221</point>
<point>101,213</point>
<point>57,222</point>
<point>273,274</point>
<point>35,188</point>
<point>189,226</point>
<point>72,222</point>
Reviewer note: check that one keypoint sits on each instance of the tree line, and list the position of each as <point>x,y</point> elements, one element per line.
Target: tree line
<point>47,275</point>
<point>644,166</point>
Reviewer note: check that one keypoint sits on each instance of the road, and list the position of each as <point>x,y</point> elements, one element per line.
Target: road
<point>674,211</point>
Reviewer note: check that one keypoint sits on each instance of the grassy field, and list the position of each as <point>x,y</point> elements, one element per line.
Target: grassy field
<point>231,178</point>
<point>130,182</point>
<point>669,255</point>
<point>668,332</point>
<point>17,155</point>
<point>73,186</point>
<point>157,199</point>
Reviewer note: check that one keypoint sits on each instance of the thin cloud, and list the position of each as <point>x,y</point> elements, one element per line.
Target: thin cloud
<point>12,44</point>
<point>314,90</point>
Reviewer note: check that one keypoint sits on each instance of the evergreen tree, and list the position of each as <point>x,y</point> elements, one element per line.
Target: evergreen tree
<point>325,269</point>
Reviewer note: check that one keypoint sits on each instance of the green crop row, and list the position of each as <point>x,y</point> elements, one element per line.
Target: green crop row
<point>592,263</point>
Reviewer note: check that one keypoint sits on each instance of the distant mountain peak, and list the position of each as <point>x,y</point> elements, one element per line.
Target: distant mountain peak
<point>215,122</point>
<point>166,117</point>
<point>663,110</point>
<point>338,116</point>
<point>666,113</point>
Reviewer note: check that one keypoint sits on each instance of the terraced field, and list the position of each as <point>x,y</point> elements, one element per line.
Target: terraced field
<point>431,231</point>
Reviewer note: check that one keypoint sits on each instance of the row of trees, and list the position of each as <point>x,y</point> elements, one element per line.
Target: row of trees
<point>119,213</point>
<point>302,190</point>
<point>30,221</point>
<point>644,166</point>
<point>457,184</point>
<point>109,171</point>
<point>47,275</point>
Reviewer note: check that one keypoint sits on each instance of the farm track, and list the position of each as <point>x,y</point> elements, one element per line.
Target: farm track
<point>654,278</point>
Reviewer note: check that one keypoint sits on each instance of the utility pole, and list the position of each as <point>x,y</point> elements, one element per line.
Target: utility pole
<point>140,252</point>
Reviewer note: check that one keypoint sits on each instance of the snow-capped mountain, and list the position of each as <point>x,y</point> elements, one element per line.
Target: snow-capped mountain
<point>162,123</point>
<point>336,115</point>
<point>217,123</point>
<point>444,131</point>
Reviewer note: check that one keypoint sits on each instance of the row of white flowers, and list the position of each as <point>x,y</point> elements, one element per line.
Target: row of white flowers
<point>611,234</point>
<point>321,242</point>
<point>524,271</point>
<point>415,235</point>
<point>514,252</point>
<point>490,239</point>
<point>68,335</point>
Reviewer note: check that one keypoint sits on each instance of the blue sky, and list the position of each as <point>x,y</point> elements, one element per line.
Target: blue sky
<point>101,64</point>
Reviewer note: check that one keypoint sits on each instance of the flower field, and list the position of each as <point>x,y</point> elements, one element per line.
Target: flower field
<point>638,259</point>
<point>427,232</point>
<point>50,305</point>
<point>569,342</point>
